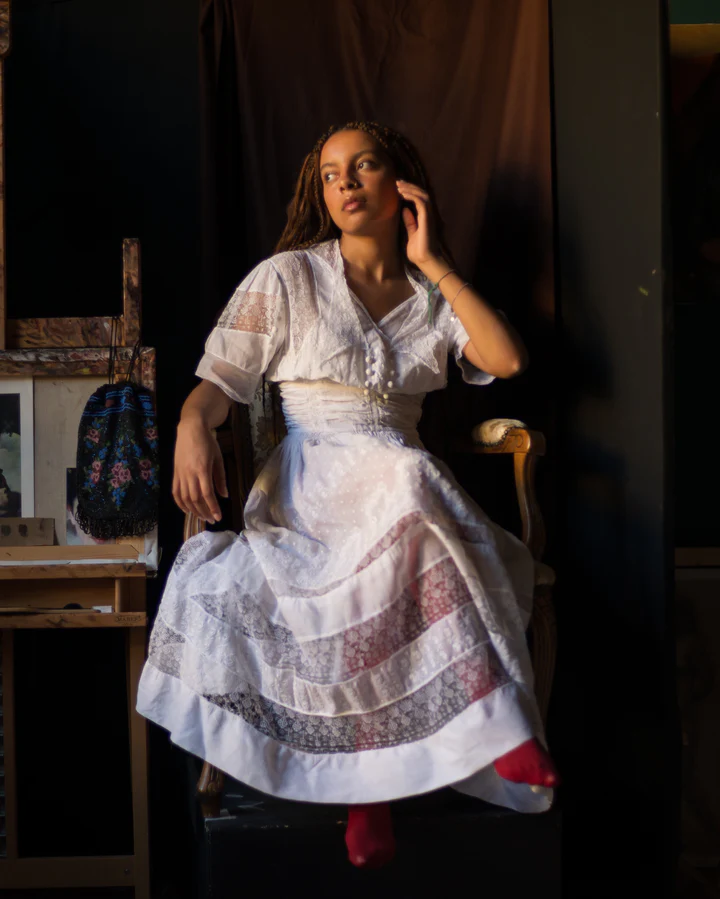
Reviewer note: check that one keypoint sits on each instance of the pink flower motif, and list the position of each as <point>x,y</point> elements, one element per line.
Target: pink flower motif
<point>97,465</point>
<point>115,482</point>
<point>95,477</point>
<point>93,435</point>
<point>151,433</point>
<point>145,474</point>
<point>145,463</point>
<point>125,475</point>
<point>117,468</point>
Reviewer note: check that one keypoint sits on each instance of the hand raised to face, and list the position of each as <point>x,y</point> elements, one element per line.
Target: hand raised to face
<point>422,245</point>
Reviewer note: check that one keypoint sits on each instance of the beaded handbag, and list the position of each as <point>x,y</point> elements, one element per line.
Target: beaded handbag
<point>117,459</point>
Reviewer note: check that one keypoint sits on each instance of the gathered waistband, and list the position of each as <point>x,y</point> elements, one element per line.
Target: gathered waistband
<point>322,407</point>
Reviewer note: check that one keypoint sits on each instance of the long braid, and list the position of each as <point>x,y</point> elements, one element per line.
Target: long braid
<point>309,222</point>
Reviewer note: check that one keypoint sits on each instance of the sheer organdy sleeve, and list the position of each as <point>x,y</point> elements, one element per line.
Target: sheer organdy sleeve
<point>249,335</point>
<point>458,339</point>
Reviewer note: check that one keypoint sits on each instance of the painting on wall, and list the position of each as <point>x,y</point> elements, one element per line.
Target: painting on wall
<point>17,477</point>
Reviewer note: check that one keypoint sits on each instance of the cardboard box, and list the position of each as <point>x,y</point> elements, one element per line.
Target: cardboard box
<point>27,531</point>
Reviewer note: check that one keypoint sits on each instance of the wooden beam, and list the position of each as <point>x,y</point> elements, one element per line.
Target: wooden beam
<point>73,872</point>
<point>28,333</point>
<point>44,595</point>
<point>72,618</point>
<point>43,554</point>
<point>67,362</point>
<point>697,556</point>
<point>132,298</point>
<point>695,40</point>
<point>4,49</point>
<point>135,659</point>
<point>8,708</point>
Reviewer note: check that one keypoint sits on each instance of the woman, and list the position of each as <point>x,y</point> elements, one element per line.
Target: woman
<point>363,639</point>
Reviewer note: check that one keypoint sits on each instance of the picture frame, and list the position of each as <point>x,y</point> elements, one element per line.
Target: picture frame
<point>17,448</point>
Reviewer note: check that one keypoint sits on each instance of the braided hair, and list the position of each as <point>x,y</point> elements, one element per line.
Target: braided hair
<point>309,221</point>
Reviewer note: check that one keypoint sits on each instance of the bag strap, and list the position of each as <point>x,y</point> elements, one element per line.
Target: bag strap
<point>115,326</point>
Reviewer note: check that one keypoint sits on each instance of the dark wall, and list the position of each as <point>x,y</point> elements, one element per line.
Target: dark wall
<point>102,142</point>
<point>615,394</point>
<point>694,12</point>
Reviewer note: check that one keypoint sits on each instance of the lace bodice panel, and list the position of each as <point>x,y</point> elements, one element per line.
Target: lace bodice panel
<point>294,318</point>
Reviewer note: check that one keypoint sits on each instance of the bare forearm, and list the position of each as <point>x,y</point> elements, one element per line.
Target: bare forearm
<point>207,405</point>
<point>495,346</point>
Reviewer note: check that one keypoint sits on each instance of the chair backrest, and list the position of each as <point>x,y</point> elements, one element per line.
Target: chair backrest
<point>266,422</point>
<point>246,440</point>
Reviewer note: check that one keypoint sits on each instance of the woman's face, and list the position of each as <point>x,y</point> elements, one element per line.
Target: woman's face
<point>358,182</point>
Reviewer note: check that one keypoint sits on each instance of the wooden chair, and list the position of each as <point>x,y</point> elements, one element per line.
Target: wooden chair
<point>251,433</point>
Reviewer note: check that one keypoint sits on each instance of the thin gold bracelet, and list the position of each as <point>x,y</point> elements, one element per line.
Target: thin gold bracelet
<point>452,302</point>
<point>437,284</point>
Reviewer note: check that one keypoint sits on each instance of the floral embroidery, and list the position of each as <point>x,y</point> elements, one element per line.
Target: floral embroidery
<point>117,462</point>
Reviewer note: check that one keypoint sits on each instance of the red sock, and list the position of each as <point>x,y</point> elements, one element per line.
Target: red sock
<point>528,764</point>
<point>369,836</point>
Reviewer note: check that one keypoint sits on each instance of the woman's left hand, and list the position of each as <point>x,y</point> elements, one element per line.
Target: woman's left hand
<point>422,245</point>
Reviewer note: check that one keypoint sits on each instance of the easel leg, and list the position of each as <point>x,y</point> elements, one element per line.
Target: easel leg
<point>8,707</point>
<point>135,645</point>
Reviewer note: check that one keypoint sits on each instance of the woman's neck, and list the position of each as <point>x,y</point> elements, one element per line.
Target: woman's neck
<point>372,259</point>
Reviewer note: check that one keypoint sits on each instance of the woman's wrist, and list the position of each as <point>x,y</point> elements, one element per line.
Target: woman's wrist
<point>434,268</point>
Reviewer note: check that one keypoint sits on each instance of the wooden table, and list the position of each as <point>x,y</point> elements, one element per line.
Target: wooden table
<point>42,591</point>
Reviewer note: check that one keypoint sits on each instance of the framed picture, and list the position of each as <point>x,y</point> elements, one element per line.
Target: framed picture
<point>17,470</point>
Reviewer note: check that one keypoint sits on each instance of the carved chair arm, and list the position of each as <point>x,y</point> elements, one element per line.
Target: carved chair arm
<point>193,525</point>
<point>508,435</point>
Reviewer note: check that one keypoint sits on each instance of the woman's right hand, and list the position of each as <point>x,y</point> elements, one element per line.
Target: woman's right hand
<point>199,470</point>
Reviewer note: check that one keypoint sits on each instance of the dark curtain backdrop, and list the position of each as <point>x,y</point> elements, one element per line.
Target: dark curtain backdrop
<point>468,84</point>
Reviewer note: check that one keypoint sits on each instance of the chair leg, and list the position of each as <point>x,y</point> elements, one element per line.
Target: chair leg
<point>209,790</point>
<point>544,634</point>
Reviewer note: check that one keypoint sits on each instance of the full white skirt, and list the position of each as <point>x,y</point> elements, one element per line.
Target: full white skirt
<point>362,640</point>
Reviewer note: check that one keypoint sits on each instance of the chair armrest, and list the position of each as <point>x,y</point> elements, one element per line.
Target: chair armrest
<point>193,526</point>
<point>509,435</point>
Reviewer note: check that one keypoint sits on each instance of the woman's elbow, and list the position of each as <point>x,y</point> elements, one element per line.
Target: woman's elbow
<point>513,367</point>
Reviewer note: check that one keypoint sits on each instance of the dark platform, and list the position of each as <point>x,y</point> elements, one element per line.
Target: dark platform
<point>445,841</point>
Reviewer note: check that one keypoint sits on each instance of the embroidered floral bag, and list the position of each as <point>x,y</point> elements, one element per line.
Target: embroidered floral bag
<point>117,460</point>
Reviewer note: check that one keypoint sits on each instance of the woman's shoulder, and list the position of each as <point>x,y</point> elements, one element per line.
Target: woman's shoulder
<point>293,264</point>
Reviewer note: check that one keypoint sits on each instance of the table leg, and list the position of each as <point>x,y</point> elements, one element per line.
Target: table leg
<point>8,708</point>
<point>136,638</point>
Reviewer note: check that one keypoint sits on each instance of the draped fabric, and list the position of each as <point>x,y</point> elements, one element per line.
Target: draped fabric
<point>469,83</point>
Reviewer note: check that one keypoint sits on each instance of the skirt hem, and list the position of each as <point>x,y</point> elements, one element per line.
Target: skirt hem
<point>460,755</point>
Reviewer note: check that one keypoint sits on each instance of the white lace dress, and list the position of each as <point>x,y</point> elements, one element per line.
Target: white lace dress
<point>363,639</point>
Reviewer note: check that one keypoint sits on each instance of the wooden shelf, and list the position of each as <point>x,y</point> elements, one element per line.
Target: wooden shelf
<point>72,872</point>
<point>72,618</point>
<point>72,570</point>
<point>697,556</point>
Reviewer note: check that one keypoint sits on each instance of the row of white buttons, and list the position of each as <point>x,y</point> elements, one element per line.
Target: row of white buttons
<point>369,371</point>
